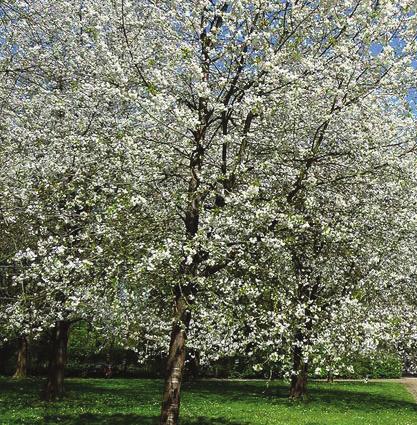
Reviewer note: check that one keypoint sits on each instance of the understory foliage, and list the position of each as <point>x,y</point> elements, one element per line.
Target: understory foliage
<point>235,177</point>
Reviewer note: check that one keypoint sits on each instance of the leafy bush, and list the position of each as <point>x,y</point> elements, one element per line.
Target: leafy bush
<point>382,365</point>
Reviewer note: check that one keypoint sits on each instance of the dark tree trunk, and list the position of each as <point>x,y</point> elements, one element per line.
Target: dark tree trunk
<point>1,360</point>
<point>175,364</point>
<point>125,364</point>
<point>194,364</point>
<point>22,359</point>
<point>177,349</point>
<point>330,378</point>
<point>298,388</point>
<point>54,388</point>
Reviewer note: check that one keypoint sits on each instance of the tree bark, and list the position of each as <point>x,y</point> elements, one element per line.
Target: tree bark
<point>125,364</point>
<point>330,378</point>
<point>54,388</point>
<point>176,363</point>
<point>194,364</point>
<point>298,388</point>
<point>22,359</point>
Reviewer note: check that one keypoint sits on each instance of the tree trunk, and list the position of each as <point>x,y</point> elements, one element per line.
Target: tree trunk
<point>22,359</point>
<point>330,378</point>
<point>175,364</point>
<point>299,383</point>
<point>194,364</point>
<point>125,364</point>
<point>298,388</point>
<point>54,388</point>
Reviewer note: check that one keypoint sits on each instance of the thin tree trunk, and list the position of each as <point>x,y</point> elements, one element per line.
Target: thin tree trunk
<point>125,364</point>
<point>175,365</point>
<point>22,359</point>
<point>177,349</point>
<point>194,365</point>
<point>54,388</point>
<point>330,378</point>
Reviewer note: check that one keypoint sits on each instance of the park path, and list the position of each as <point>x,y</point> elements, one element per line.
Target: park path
<point>411,385</point>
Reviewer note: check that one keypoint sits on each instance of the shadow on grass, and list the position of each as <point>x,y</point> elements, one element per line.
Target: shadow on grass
<point>121,395</point>
<point>128,419</point>
<point>342,397</point>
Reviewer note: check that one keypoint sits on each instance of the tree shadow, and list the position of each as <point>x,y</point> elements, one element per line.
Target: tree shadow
<point>361,401</point>
<point>129,419</point>
<point>349,397</point>
<point>126,391</point>
<point>116,401</point>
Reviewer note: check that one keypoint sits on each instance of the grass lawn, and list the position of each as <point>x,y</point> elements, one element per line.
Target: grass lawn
<point>134,401</point>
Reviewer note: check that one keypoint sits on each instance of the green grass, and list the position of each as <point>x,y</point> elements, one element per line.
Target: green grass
<point>122,402</point>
